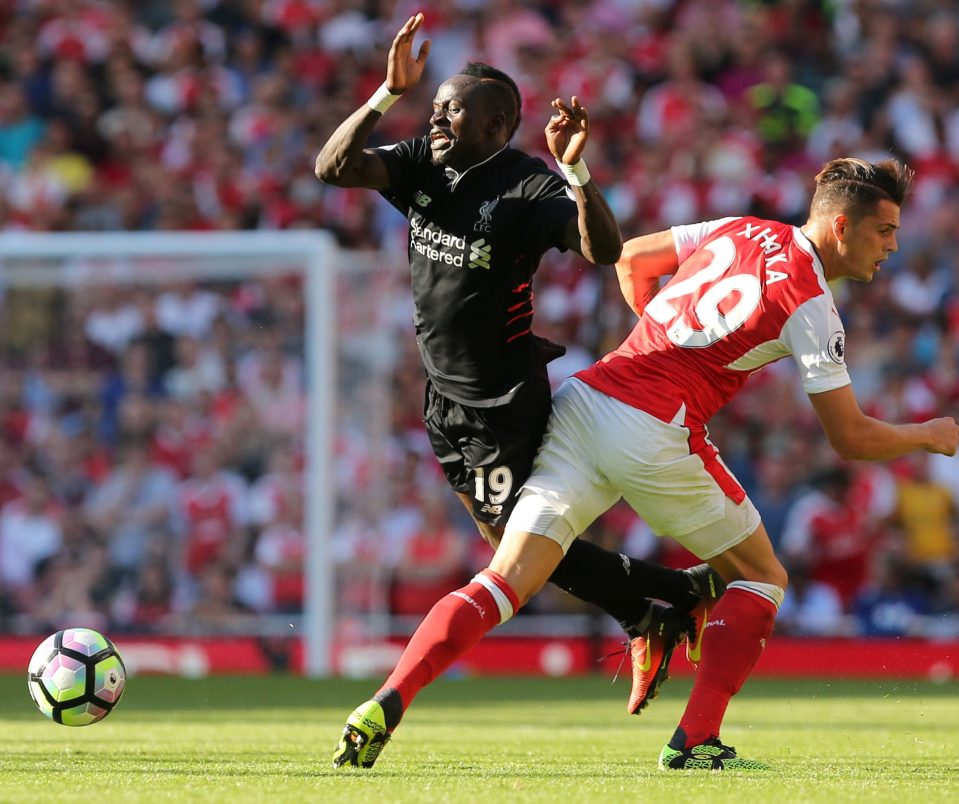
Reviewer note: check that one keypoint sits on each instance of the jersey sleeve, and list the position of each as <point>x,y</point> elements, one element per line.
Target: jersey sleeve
<point>402,159</point>
<point>687,238</point>
<point>552,206</point>
<point>815,336</point>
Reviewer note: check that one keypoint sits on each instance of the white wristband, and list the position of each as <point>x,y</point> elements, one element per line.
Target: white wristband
<point>577,174</point>
<point>382,99</point>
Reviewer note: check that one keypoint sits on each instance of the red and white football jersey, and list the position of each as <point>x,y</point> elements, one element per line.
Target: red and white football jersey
<point>747,292</point>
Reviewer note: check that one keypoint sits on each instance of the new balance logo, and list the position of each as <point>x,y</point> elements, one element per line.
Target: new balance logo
<point>480,254</point>
<point>421,199</point>
<point>626,564</point>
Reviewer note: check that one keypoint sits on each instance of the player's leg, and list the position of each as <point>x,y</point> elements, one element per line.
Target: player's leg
<point>458,621</point>
<point>678,484</point>
<point>732,641</point>
<point>525,558</point>
<point>498,447</point>
<point>620,585</point>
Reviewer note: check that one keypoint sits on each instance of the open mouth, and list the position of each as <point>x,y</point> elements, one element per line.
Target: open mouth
<point>439,141</point>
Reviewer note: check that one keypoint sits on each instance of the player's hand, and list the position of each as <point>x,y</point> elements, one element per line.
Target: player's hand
<point>567,130</point>
<point>943,436</point>
<point>402,70</point>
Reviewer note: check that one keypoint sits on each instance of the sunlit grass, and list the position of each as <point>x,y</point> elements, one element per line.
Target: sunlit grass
<point>482,740</point>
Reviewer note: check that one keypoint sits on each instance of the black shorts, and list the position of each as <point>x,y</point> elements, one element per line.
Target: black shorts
<point>488,452</point>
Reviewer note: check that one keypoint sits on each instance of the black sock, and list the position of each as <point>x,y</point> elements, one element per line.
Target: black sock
<point>619,584</point>
<point>389,699</point>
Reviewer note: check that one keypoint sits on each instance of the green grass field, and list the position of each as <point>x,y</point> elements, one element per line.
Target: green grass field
<point>482,740</point>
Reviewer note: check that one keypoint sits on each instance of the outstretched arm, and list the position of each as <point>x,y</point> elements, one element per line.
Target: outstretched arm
<point>594,233</point>
<point>856,436</point>
<point>343,160</point>
<point>644,260</point>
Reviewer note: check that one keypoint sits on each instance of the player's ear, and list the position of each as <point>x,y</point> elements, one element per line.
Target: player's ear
<point>840,227</point>
<point>498,121</point>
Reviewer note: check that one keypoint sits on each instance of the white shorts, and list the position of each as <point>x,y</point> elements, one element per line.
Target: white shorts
<point>598,449</point>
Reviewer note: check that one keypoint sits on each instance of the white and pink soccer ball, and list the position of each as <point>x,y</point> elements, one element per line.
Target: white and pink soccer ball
<point>76,677</point>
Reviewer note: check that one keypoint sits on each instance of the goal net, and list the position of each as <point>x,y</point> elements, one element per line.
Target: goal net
<point>245,365</point>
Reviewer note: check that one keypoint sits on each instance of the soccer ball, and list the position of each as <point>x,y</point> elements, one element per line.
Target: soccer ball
<point>76,677</point>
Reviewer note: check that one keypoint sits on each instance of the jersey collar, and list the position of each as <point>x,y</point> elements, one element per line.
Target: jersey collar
<point>810,248</point>
<point>455,177</point>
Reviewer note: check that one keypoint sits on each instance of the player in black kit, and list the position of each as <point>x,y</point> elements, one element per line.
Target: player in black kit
<point>482,215</point>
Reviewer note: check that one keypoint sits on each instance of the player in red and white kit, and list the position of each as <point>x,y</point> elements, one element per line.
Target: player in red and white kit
<point>745,292</point>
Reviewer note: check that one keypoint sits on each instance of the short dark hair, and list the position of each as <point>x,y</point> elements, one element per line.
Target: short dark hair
<point>505,89</point>
<point>855,186</point>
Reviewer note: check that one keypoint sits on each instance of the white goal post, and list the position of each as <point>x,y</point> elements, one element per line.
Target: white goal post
<point>38,260</point>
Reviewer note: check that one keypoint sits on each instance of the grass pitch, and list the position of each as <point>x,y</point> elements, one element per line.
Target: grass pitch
<point>482,740</point>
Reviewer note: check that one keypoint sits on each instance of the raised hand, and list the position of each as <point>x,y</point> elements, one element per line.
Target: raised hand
<point>402,70</point>
<point>567,130</point>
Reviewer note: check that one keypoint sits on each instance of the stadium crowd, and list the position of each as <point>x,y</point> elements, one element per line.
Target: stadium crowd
<point>151,471</point>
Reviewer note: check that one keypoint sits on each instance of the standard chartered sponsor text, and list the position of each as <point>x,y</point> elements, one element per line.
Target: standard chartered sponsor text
<point>426,241</point>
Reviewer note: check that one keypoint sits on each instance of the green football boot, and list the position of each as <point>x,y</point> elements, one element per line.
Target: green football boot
<point>709,755</point>
<point>363,738</point>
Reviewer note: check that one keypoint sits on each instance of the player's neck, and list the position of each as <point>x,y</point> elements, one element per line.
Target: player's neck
<point>824,243</point>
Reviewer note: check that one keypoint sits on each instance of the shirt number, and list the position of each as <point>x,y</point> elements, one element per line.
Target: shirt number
<point>499,482</point>
<point>714,324</point>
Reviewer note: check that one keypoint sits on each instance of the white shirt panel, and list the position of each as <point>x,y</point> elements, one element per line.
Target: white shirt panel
<point>688,237</point>
<point>759,356</point>
<point>814,334</point>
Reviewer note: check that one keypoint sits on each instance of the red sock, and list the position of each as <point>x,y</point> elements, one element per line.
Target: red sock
<point>454,624</point>
<point>738,628</point>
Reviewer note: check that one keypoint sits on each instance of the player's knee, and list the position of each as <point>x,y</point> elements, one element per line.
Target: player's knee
<point>778,576</point>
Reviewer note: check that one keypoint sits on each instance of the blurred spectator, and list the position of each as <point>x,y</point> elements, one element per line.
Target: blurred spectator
<point>132,507</point>
<point>178,428</point>
<point>11,472</point>
<point>786,111</point>
<point>214,609</point>
<point>673,109</point>
<point>826,535</point>
<point>889,604</point>
<point>273,383</point>
<point>433,560</point>
<point>20,128</point>
<point>775,492</point>
<point>280,552</point>
<point>146,604</point>
<point>926,518</point>
<point>30,534</point>
<point>185,309</point>
<point>211,512</point>
<point>280,488</point>
<point>198,370</point>
<point>115,320</point>
<point>133,379</point>
<point>810,608</point>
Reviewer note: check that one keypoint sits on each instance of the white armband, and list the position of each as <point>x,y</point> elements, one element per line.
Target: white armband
<point>382,99</point>
<point>576,174</point>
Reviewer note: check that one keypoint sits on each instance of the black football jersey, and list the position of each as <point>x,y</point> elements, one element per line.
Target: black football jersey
<point>475,240</point>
